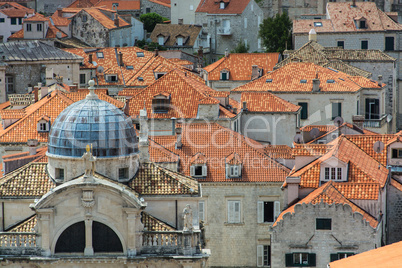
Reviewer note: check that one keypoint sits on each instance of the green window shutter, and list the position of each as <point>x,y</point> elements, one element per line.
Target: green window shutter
<point>289,259</point>
<point>311,259</point>
<point>333,257</point>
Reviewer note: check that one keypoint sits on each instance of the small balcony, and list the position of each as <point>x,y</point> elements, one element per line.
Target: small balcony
<point>224,31</point>
<point>376,123</point>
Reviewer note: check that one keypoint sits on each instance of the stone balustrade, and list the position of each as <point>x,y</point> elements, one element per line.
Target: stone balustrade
<point>171,242</point>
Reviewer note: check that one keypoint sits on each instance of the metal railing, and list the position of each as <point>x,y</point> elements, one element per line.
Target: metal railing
<point>375,123</point>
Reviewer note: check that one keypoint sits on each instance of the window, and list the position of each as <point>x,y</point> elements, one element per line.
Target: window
<point>263,255</point>
<point>323,224</point>
<point>245,23</point>
<point>364,44</point>
<point>233,171</point>
<point>336,109</point>
<point>29,27</point>
<point>304,110</point>
<point>362,24</point>
<point>191,7</point>
<point>303,81</point>
<point>9,84</point>
<point>59,174</point>
<point>198,171</point>
<point>99,55</point>
<point>83,79</point>
<point>147,10</point>
<point>161,40</point>
<point>268,211</point>
<point>39,27</point>
<point>2,20</point>
<point>160,105</point>
<point>123,173</point>
<point>179,40</point>
<point>340,255</point>
<point>159,75</point>
<point>333,173</point>
<point>201,210</point>
<point>341,44</point>
<point>222,5</point>
<point>13,21</point>
<point>389,43</point>
<point>84,18</point>
<point>396,153</point>
<point>357,107</point>
<point>112,78</point>
<point>20,21</point>
<point>234,211</point>
<point>372,109</point>
<point>43,127</point>
<point>318,24</point>
<point>224,75</point>
<point>300,259</point>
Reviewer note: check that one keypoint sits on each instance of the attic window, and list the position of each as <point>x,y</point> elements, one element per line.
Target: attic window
<point>179,40</point>
<point>268,81</point>
<point>224,75</point>
<point>161,103</point>
<point>99,55</point>
<point>84,18</point>
<point>317,24</point>
<point>161,40</point>
<point>233,171</point>
<point>43,125</point>
<point>330,81</point>
<point>333,173</point>
<point>111,78</point>
<point>140,54</point>
<point>362,24</point>
<point>303,81</point>
<point>159,75</point>
<point>198,170</point>
<point>222,5</point>
<point>396,153</point>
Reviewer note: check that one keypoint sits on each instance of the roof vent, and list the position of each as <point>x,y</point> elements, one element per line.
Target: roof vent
<point>140,79</point>
<point>268,81</point>
<point>330,81</point>
<point>303,81</point>
<point>140,54</point>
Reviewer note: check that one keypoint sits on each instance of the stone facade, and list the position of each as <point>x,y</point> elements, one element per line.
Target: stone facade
<point>297,233</point>
<point>91,32</point>
<point>235,244</point>
<point>394,214</point>
<point>241,27</point>
<point>148,6</point>
<point>184,10</point>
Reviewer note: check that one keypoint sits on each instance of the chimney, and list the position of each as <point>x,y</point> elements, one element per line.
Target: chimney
<point>33,144</point>
<point>143,144</point>
<point>179,144</point>
<point>354,3</point>
<point>90,58</point>
<point>116,20</point>
<point>244,106</point>
<point>316,85</point>
<point>358,121</point>
<point>121,59</point>
<point>293,189</point>
<point>43,91</point>
<point>380,80</point>
<point>226,52</point>
<point>235,110</point>
<point>180,21</point>
<point>35,92</point>
<point>254,72</point>
<point>312,35</point>
<point>156,52</point>
<point>146,47</point>
<point>73,88</point>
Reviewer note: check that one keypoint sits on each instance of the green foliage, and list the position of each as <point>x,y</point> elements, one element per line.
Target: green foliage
<point>150,20</point>
<point>241,48</point>
<point>151,45</point>
<point>276,33</point>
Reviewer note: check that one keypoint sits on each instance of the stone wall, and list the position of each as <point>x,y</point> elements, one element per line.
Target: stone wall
<point>394,215</point>
<point>153,7</point>
<point>90,32</point>
<point>297,232</point>
<point>235,245</point>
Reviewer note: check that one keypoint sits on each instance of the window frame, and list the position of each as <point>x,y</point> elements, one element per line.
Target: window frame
<point>226,73</point>
<point>335,172</point>
<point>340,43</point>
<point>13,21</point>
<point>389,46</point>
<point>336,256</point>
<point>233,171</point>
<point>39,27</point>
<point>9,85</point>
<point>204,170</point>
<point>290,257</point>
<point>2,20</point>
<point>261,216</point>
<point>202,211</point>
<point>99,55</point>
<point>396,153</point>
<point>233,216</point>
<point>364,44</point>
<point>161,40</point>
<point>123,173</point>
<point>60,174</point>
<point>29,27</point>
<point>83,77</point>
<point>336,109</point>
<point>109,77</point>
<point>323,224</point>
<point>263,255</point>
<point>303,112</point>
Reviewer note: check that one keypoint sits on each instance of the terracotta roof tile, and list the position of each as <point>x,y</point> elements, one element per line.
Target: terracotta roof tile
<point>186,92</point>
<point>311,149</point>
<point>27,226</point>
<point>267,102</point>
<point>279,151</point>
<point>181,62</point>
<point>240,65</point>
<point>216,143</point>
<point>287,79</point>
<point>328,193</point>
<point>5,5</point>
<point>189,32</point>
<point>213,7</point>
<point>37,17</point>
<point>152,179</point>
<point>58,20</point>
<point>123,4</point>
<point>160,154</point>
<point>78,4</point>
<point>153,224</point>
<point>165,3</point>
<point>14,13</point>
<point>108,23</point>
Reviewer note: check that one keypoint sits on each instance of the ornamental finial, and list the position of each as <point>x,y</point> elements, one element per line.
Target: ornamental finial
<point>91,88</point>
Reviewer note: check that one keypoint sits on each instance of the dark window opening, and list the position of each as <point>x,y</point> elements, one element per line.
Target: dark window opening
<point>300,259</point>
<point>341,44</point>
<point>160,105</point>
<point>268,211</point>
<point>323,224</point>
<point>39,27</point>
<point>104,239</point>
<point>396,153</point>
<point>336,110</point>
<point>362,24</point>
<point>389,43</point>
<point>340,255</point>
<point>123,173</point>
<point>13,21</point>
<point>198,171</point>
<point>304,110</point>
<point>364,44</point>
<point>147,10</point>
<point>72,239</point>
<point>372,109</point>
<point>83,79</point>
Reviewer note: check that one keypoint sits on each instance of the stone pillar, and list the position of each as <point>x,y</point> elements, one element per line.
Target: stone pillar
<point>44,216</point>
<point>89,250</point>
<point>293,189</point>
<point>143,145</point>
<point>131,231</point>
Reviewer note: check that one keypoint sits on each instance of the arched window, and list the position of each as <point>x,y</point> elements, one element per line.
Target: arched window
<point>105,239</point>
<point>72,239</point>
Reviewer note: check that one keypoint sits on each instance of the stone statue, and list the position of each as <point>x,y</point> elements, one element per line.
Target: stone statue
<point>187,218</point>
<point>89,161</point>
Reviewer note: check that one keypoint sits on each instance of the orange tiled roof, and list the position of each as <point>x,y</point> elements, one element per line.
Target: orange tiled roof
<point>213,7</point>
<point>342,19</point>
<point>5,5</point>
<point>160,154</point>
<point>108,23</point>
<point>216,143</point>
<point>153,224</point>
<point>14,13</point>
<point>27,226</point>
<point>123,4</point>
<point>267,102</point>
<point>165,3</point>
<point>328,193</point>
<point>362,168</point>
<point>279,151</point>
<point>240,65</point>
<point>17,35</point>
<point>311,149</point>
<point>78,4</point>
<point>59,20</point>
<point>186,91</point>
<point>37,17</point>
<point>181,62</point>
<point>287,79</point>
<point>387,256</point>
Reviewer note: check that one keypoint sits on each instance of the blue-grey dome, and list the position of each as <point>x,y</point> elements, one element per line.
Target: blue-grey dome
<point>96,122</point>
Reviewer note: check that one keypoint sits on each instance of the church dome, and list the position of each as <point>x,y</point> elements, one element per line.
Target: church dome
<point>92,121</point>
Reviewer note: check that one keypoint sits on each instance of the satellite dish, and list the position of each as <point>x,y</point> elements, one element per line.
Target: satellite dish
<point>338,121</point>
<point>314,133</point>
<point>378,147</point>
<point>298,138</point>
<point>100,69</point>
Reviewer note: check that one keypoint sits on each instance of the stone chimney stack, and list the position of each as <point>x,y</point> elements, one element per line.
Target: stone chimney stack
<point>121,63</point>
<point>226,52</point>
<point>33,144</point>
<point>358,121</point>
<point>116,20</point>
<point>380,80</point>
<point>254,72</point>
<point>180,21</point>
<point>179,144</point>
<point>156,52</point>
<point>293,189</point>
<point>244,106</point>
<point>90,58</point>
<point>143,144</point>
<point>312,35</point>
<point>316,85</point>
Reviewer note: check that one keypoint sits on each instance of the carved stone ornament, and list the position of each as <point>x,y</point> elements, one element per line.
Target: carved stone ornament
<point>88,198</point>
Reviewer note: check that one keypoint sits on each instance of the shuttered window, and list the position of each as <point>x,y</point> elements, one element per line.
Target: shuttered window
<point>234,211</point>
